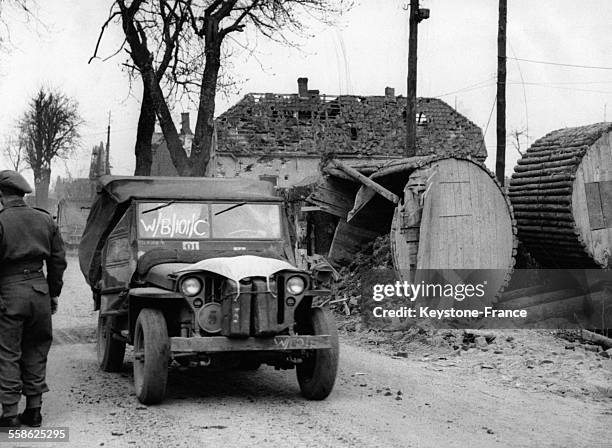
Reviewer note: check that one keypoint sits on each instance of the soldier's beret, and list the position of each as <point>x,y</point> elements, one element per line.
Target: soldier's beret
<point>12,180</point>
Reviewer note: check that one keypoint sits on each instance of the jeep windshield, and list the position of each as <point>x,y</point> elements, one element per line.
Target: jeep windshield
<point>203,220</point>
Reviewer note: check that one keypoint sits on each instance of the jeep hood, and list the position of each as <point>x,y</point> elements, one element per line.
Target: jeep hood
<point>237,268</point>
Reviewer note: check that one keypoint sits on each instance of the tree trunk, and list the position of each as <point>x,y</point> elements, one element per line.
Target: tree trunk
<point>202,139</point>
<point>144,134</point>
<point>144,60</point>
<point>175,145</point>
<point>42,178</point>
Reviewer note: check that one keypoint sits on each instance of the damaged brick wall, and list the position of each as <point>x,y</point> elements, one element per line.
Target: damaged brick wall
<point>346,124</point>
<point>284,170</point>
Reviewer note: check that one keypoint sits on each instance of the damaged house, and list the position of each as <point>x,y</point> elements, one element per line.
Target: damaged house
<point>283,137</point>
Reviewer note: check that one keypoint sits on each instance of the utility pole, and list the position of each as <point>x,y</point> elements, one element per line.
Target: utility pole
<point>107,160</point>
<point>500,160</point>
<point>416,15</point>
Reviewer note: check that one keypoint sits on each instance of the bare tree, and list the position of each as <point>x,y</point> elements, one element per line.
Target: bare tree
<point>519,139</point>
<point>49,129</point>
<point>193,33</point>
<point>8,9</point>
<point>176,58</point>
<point>160,27</point>
<point>14,152</point>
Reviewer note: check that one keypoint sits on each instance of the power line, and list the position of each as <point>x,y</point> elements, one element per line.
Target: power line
<point>479,85</point>
<point>91,134</point>
<point>518,65</point>
<point>490,115</point>
<point>559,64</point>
<point>484,134</point>
<point>571,89</point>
<point>573,82</point>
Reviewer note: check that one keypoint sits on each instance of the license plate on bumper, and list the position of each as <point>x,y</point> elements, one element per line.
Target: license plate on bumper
<point>210,344</point>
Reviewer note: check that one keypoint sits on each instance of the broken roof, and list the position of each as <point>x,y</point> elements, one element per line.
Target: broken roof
<point>344,125</point>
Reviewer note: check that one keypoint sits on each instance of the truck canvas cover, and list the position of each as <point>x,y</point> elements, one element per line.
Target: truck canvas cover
<point>114,194</point>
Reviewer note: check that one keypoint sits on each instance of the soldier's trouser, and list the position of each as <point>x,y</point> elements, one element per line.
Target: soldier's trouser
<point>25,336</point>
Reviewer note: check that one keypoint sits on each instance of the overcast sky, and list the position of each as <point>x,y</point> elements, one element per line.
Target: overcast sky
<point>366,52</point>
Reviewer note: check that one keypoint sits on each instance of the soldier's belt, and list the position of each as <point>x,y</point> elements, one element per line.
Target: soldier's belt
<point>6,279</point>
<point>18,269</point>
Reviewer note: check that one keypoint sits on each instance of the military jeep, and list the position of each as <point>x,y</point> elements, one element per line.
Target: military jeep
<point>201,272</point>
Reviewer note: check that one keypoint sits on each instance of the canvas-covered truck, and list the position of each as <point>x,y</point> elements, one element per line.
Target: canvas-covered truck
<point>201,272</point>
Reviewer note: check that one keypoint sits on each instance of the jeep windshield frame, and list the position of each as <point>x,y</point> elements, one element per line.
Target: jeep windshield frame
<point>209,220</point>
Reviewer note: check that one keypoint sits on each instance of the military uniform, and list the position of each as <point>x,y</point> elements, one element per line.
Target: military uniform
<point>28,237</point>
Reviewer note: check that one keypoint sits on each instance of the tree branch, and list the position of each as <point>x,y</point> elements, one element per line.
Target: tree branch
<point>110,19</point>
<point>237,25</point>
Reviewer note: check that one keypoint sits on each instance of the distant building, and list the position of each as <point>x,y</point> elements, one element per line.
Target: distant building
<point>75,197</point>
<point>282,137</point>
<point>99,165</point>
<point>161,164</point>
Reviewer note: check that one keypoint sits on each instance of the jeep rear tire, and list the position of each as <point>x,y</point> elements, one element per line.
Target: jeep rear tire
<point>317,373</point>
<point>110,350</point>
<point>151,356</point>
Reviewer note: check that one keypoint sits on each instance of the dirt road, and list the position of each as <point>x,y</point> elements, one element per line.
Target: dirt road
<point>378,402</point>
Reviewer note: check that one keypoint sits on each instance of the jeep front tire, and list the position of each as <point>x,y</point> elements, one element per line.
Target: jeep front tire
<point>151,356</point>
<point>317,372</point>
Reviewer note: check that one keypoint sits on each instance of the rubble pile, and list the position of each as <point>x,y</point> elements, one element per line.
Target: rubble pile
<point>376,256</point>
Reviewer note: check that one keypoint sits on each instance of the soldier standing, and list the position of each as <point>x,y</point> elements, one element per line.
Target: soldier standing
<point>28,237</point>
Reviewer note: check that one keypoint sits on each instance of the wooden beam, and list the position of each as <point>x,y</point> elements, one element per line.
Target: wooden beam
<point>333,196</point>
<point>311,208</point>
<point>352,172</point>
<point>597,338</point>
<point>539,299</point>
<point>337,173</point>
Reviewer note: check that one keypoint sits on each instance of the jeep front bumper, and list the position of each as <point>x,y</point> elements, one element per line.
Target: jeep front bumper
<point>212,344</point>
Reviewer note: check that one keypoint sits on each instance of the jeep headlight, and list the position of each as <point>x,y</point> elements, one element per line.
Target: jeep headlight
<point>295,285</point>
<point>191,286</point>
